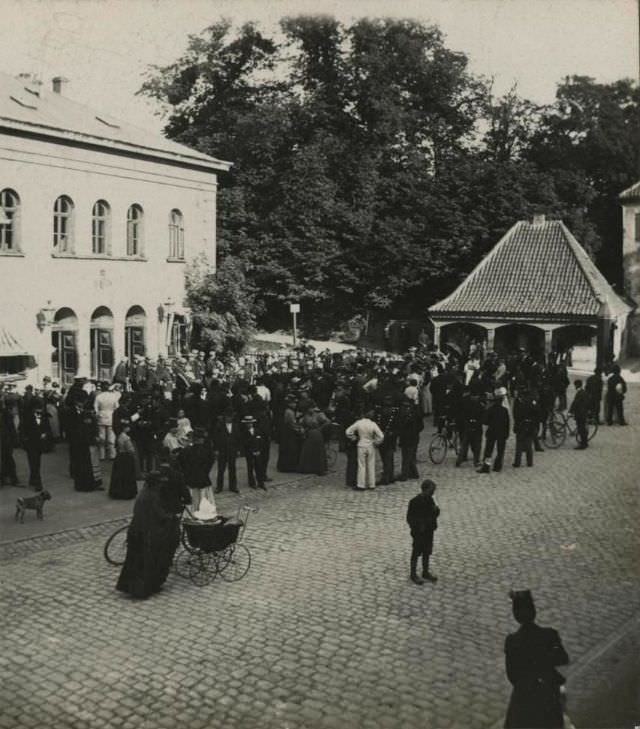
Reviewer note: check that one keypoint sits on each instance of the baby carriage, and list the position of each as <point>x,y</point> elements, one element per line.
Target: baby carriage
<point>214,547</point>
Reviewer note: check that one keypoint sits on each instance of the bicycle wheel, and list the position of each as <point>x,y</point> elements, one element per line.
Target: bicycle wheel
<point>438,448</point>
<point>115,549</point>
<point>592,428</point>
<point>202,568</point>
<point>455,442</point>
<point>555,433</point>
<point>238,564</point>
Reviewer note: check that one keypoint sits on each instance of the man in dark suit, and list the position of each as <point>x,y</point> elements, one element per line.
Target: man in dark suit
<point>497,420</point>
<point>36,434</point>
<point>422,518</point>
<point>525,424</point>
<point>580,410</point>
<point>226,443</point>
<point>253,446</point>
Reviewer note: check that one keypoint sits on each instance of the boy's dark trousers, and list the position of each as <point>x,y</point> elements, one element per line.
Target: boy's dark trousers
<point>524,444</point>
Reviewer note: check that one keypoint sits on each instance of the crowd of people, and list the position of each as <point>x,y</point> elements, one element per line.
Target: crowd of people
<point>207,409</point>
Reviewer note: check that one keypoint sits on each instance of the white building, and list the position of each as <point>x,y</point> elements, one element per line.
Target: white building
<point>97,221</point>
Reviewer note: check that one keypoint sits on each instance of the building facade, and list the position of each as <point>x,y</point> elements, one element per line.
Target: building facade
<point>537,289</point>
<point>630,200</point>
<point>97,222</point>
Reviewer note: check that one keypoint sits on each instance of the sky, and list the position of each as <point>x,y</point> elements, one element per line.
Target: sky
<point>104,47</point>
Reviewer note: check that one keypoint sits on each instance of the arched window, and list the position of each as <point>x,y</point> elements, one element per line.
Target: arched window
<point>134,230</point>
<point>176,235</point>
<point>63,224</point>
<point>100,220</point>
<point>9,221</point>
<point>637,231</point>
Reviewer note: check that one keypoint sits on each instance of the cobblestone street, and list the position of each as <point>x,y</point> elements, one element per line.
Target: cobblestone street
<point>326,630</point>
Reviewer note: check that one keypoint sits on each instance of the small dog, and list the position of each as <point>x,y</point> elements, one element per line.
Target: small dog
<point>35,502</point>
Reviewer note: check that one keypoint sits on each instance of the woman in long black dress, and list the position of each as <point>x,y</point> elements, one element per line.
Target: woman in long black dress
<point>85,464</point>
<point>313,454</point>
<point>532,654</point>
<point>151,542</point>
<point>290,439</point>
<point>123,475</point>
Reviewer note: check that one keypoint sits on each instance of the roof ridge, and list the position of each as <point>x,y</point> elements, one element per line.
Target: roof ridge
<point>579,253</point>
<point>483,263</point>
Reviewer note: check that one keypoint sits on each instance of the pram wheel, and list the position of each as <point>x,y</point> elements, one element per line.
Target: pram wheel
<point>202,568</point>
<point>236,565</point>
<point>181,563</point>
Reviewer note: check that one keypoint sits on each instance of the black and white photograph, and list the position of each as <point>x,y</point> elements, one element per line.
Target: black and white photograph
<point>320,364</point>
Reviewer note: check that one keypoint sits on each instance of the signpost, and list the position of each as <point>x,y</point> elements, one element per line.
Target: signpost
<point>295,310</point>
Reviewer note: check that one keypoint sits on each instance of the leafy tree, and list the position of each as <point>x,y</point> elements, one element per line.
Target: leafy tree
<point>372,171</point>
<point>223,304</point>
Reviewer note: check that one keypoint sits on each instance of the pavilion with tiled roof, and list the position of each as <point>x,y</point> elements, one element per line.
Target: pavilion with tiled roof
<point>538,289</point>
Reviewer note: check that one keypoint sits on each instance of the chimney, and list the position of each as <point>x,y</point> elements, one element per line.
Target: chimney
<point>538,219</point>
<point>57,84</point>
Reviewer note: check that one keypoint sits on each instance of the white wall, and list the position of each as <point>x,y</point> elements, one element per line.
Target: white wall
<point>40,172</point>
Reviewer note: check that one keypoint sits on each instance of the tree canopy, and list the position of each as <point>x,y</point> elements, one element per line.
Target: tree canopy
<point>372,170</point>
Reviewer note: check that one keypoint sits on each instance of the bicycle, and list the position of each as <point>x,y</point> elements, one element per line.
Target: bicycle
<point>560,423</point>
<point>442,441</point>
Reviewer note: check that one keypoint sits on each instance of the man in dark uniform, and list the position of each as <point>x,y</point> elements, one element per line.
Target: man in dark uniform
<point>469,422</point>
<point>525,424</point>
<point>422,518</point>
<point>410,425</point>
<point>387,420</point>
<point>580,411</point>
<point>253,446</point>
<point>616,390</point>
<point>497,420</point>
<point>226,443</point>
<point>593,387</point>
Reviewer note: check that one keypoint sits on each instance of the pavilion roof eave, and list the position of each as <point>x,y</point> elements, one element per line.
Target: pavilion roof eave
<point>510,317</point>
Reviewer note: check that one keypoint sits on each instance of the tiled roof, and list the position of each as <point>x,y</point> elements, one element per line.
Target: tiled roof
<point>535,271</point>
<point>53,114</point>
<point>631,193</point>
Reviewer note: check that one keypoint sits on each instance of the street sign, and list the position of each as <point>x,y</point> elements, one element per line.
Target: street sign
<point>294,308</point>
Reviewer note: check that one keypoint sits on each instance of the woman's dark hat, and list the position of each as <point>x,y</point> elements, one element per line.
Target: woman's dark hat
<point>248,419</point>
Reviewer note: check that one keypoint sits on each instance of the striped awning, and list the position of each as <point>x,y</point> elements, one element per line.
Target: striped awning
<point>10,346</point>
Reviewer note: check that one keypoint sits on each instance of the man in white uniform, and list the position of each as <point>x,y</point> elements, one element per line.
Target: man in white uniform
<point>368,435</point>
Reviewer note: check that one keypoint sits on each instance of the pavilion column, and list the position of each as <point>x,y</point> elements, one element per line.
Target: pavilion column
<point>491,338</point>
<point>548,338</point>
<point>436,334</point>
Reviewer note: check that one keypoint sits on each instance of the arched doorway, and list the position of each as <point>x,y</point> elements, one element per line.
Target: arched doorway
<point>578,342</point>
<point>134,331</point>
<point>101,343</point>
<point>510,338</point>
<point>64,343</point>
<point>460,335</point>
